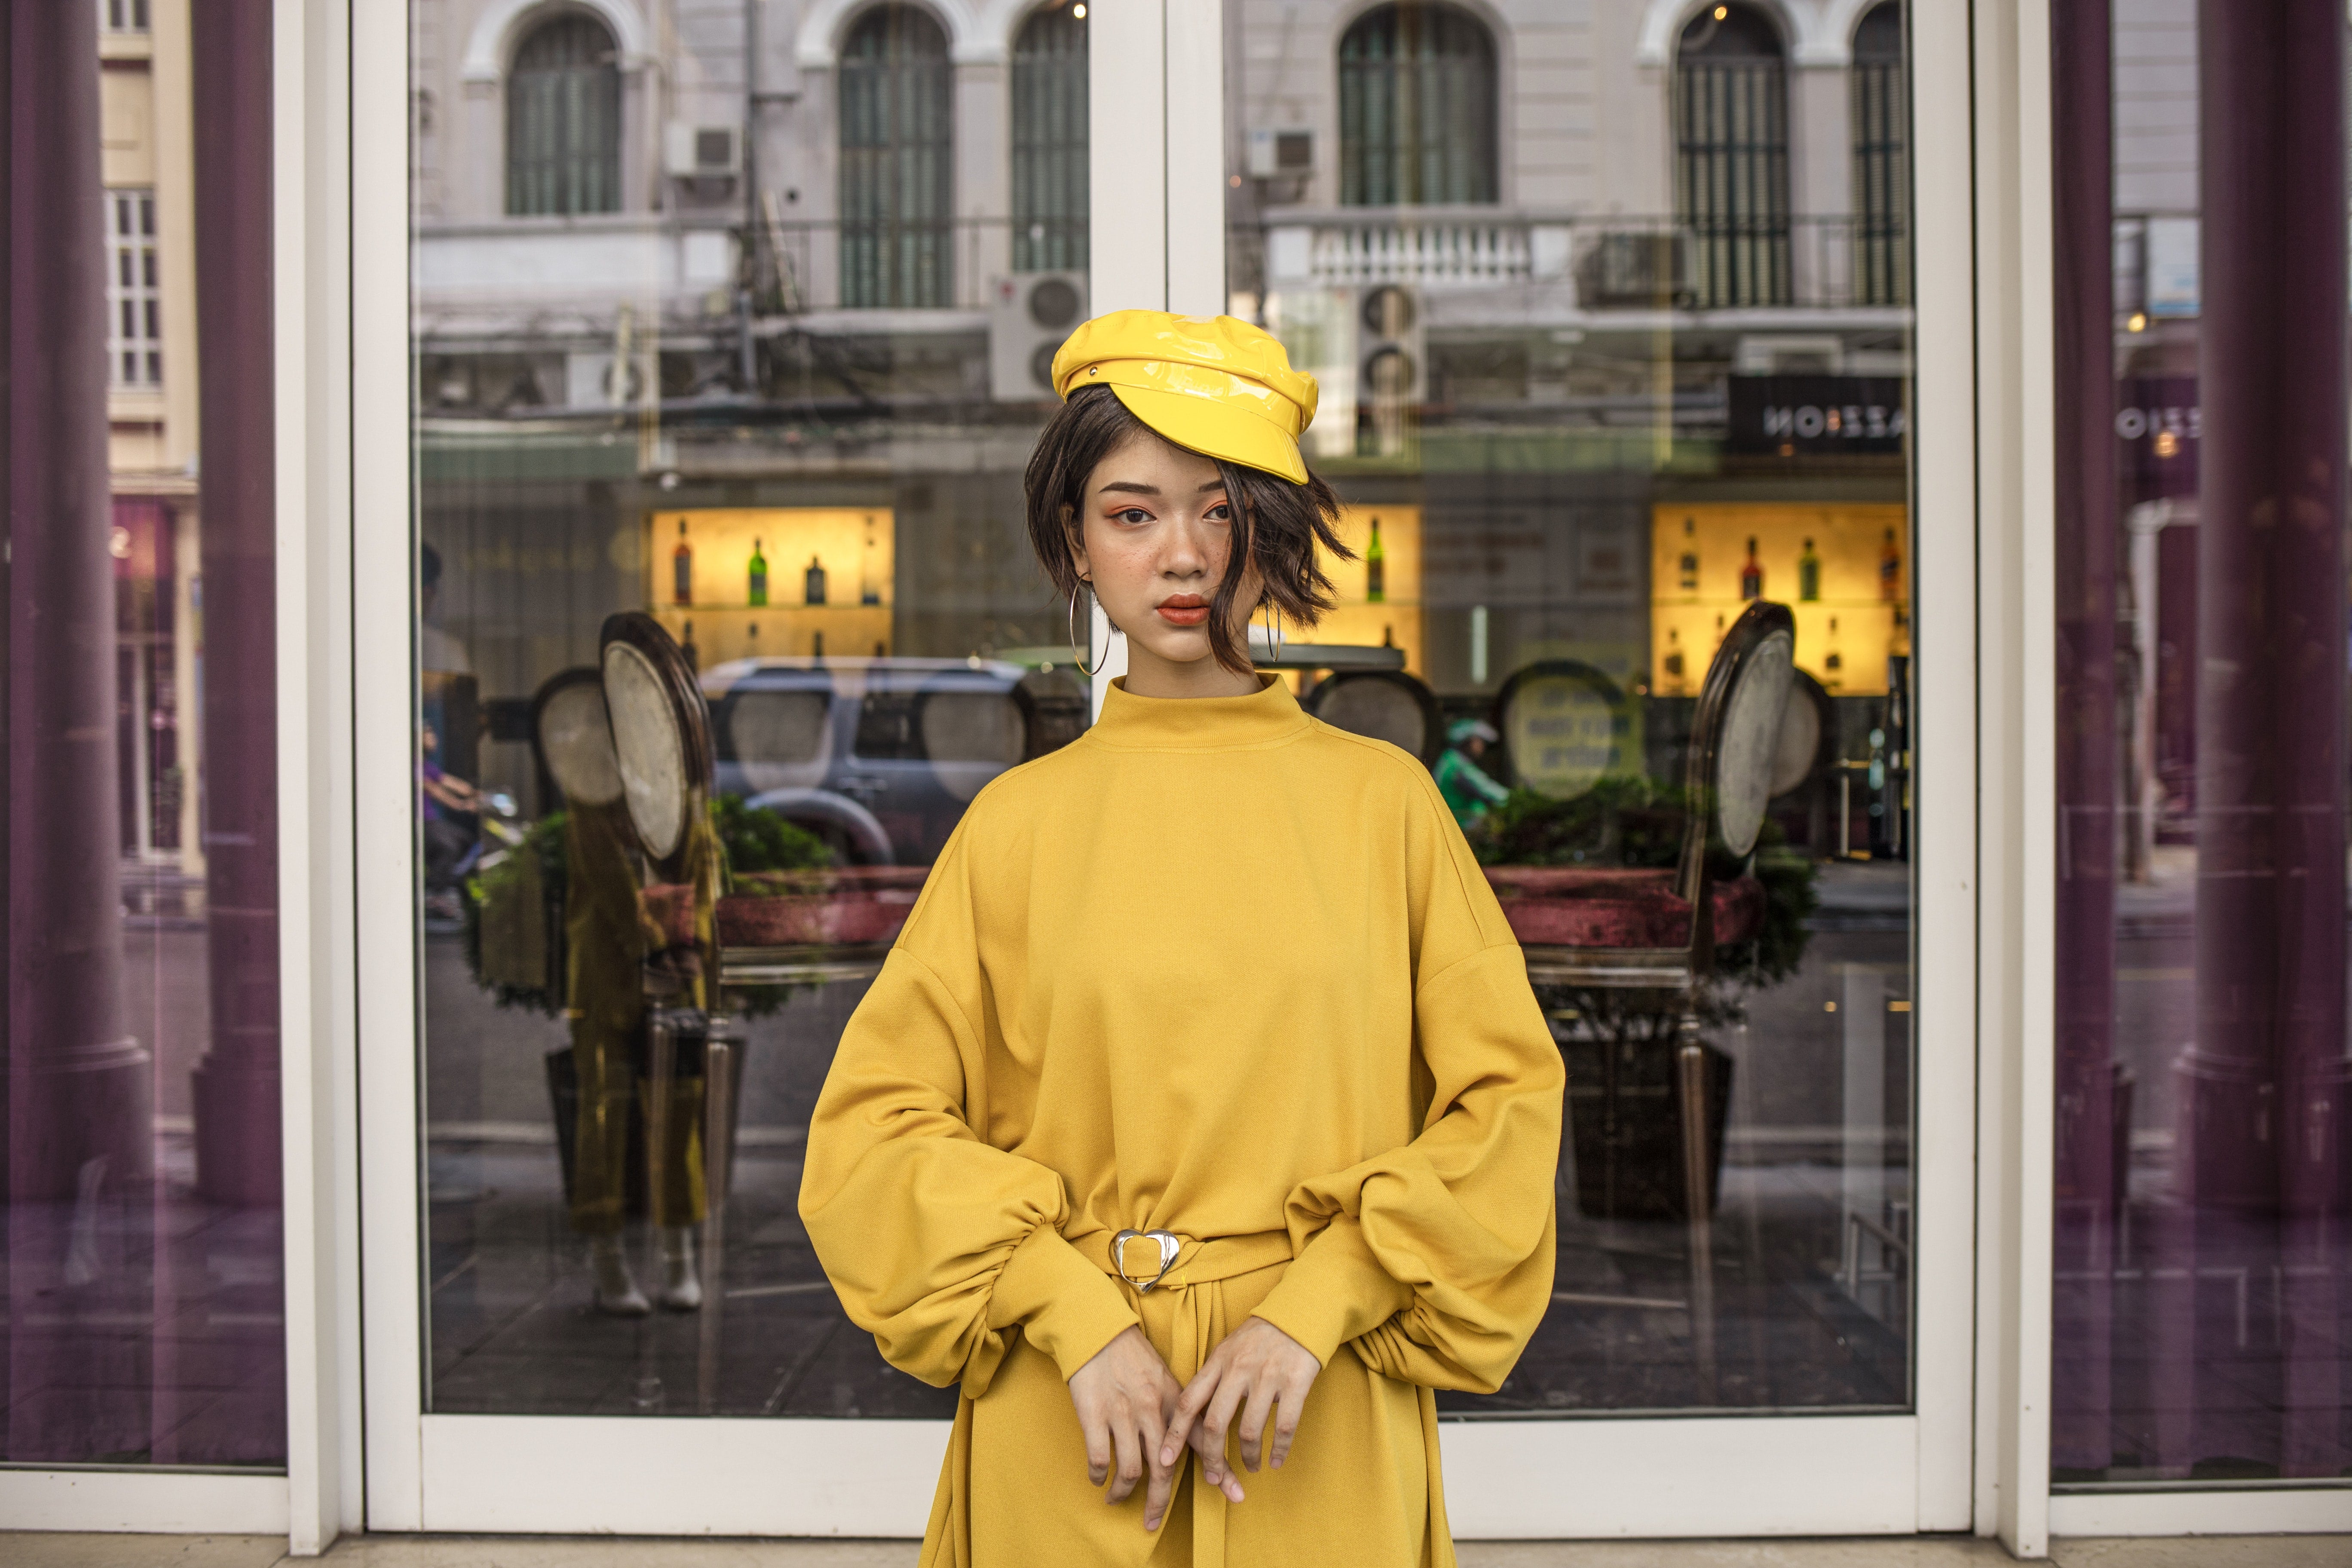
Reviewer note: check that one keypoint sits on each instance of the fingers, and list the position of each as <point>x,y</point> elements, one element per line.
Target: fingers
<point>1124,1435</point>
<point>1157,1492</point>
<point>1189,1405</point>
<point>1253,1418</point>
<point>1231,1390</point>
<point>1285,1422</point>
<point>1097,1436</point>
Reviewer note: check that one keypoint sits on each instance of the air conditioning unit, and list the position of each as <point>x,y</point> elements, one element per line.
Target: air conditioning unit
<point>1029,315</point>
<point>1281,154</point>
<point>1391,369</point>
<point>692,152</point>
<point>1641,270</point>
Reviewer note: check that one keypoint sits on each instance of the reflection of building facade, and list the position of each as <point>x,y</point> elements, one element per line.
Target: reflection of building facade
<point>151,408</point>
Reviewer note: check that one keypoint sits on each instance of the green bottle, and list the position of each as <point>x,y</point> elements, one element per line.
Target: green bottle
<point>759,575</point>
<point>1808,574</point>
<point>1376,569</point>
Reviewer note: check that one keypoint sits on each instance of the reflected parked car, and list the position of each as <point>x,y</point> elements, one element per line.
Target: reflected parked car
<point>880,756</point>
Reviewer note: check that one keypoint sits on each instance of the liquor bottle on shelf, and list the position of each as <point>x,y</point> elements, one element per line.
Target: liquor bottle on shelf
<point>1687,567</point>
<point>686,646</point>
<point>869,591</point>
<point>1673,662</point>
<point>1808,574</point>
<point>759,575</point>
<point>1833,662</point>
<point>1376,569</point>
<point>816,645</point>
<point>1751,575</point>
<point>881,648</point>
<point>752,641</point>
<point>812,583</point>
<point>1890,570</point>
<point>681,569</point>
<point>1387,636</point>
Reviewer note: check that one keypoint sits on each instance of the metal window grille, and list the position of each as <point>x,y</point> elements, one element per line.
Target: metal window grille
<point>1049,144</point>
<point>134,327</point>
<point>896,174</point>
<point>1731,158</point>
<point>125,15</point>
<point>563,122</point>
<point>1882,159</point>
<point>1416,108</point>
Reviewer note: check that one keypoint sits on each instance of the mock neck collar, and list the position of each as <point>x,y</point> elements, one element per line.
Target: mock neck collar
<point>1267,716</point>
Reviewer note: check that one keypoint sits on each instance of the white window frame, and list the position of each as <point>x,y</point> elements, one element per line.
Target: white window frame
<point>1828,1474</point>
<point>1975,1454</point>
<point>139,244</point>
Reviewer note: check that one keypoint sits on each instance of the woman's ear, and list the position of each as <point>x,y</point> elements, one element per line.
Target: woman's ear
<point>1077,538</point>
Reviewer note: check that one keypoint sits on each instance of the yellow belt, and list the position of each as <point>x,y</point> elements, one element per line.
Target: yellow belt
<point>1201,1319</point>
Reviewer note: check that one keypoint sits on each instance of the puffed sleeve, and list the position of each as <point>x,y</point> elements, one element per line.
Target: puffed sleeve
<point>1434,1259</point>
<point>937,1244</point>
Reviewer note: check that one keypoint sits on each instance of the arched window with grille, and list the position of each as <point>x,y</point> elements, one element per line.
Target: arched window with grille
<point>1417,101</point>
<point>1049,142</point>
<point>1882,159</point>
<point>898,179</point>
<point>1732,156</point>
<point>563,121</point>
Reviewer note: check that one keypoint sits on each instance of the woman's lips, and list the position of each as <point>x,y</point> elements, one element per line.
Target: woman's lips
<point>1185,610</point>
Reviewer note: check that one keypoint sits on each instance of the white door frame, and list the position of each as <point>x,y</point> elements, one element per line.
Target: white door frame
<point>1613,1477</point>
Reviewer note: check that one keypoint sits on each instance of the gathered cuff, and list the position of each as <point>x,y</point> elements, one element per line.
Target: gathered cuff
<point>1065,1305</point>
<point>1334,1291</point>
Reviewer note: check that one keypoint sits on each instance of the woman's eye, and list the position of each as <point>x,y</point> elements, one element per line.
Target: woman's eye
<point>1221,512</point>
<point>1134,514</point>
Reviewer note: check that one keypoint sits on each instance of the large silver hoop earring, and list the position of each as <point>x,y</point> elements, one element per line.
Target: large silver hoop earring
<point>1078,659</point>
<point>1273,630</point>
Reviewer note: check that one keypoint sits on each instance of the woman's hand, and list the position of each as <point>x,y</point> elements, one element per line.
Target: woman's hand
<point>1124,1396</point>
<point>1256,1364</point>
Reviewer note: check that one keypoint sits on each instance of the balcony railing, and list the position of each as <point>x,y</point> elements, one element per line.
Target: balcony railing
<point>688,264</point>
<point>1610,263</point>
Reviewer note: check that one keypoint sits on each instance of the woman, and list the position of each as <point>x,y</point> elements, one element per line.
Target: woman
<point>1201,1121</point>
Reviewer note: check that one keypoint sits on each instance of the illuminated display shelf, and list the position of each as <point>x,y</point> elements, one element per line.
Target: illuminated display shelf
<point>1848,544</point>
<point>1396,616</point>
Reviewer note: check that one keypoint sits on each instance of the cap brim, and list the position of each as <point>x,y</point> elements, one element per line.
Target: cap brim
<point>1216,429</point>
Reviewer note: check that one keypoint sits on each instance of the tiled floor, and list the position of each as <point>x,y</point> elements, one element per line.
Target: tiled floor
<point>486,1551</point>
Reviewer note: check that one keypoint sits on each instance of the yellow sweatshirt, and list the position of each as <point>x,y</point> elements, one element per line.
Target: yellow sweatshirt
<point>1220,970</point>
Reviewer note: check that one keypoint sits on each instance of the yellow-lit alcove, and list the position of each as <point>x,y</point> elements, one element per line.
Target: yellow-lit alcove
<point>828,580</point>
<point>1395,617</point>
<point>1844,570</point>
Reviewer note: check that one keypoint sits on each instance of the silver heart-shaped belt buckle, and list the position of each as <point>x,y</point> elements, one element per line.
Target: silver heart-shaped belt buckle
<point>1169,1247</point>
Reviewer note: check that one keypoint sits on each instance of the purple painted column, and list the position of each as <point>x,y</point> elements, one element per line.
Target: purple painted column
<point>2083,183</point>
<point>2259,1156</point>
<point>79,1146</point>
<point>78,1087</point>
<point>236,1089</point>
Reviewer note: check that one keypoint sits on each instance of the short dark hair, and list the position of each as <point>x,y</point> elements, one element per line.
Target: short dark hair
<point>1279,523</point>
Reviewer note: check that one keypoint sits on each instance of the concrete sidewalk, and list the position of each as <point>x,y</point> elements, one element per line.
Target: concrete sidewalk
<point>34,1551</point>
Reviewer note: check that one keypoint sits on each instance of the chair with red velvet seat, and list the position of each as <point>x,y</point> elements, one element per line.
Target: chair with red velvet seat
<point>1657,930</point>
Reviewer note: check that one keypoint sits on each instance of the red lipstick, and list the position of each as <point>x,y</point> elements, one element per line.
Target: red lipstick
<point>1185,610</point>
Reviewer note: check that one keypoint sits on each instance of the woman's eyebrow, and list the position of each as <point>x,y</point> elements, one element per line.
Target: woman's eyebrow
<point>1132,487</point>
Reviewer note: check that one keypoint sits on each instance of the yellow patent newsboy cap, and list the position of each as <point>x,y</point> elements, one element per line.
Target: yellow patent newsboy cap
<point>1218,385</point>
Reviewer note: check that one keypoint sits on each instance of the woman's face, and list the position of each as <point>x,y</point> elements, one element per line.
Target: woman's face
<point>1153,539</point>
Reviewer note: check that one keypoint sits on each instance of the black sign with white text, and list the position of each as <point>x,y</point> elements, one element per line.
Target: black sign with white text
<point>1786,415</point>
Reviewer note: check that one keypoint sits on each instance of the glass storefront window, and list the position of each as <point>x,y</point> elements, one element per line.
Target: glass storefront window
<point>764,369</point>
<point>140,1215</point>
<point>1615,366</point>
<point>2201,1305</point>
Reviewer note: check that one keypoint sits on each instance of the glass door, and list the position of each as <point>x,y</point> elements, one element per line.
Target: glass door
<point>728,343</point>
<point>1617,333</point>
<point>719,342</point>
